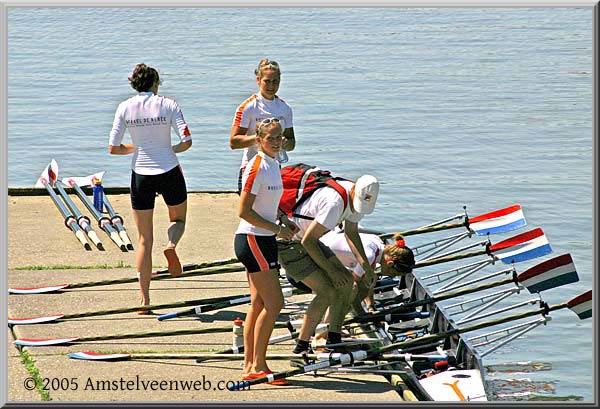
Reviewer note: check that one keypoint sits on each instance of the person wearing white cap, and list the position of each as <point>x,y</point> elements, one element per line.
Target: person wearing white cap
<point>307,260</point>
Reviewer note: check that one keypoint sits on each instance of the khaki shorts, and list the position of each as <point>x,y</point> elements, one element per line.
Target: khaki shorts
<point>294,258</point>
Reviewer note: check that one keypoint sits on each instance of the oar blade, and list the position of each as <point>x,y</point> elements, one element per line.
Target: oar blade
<point>96,356</point>
<point>37,290</point>
<point>83,180</point>
<point>498,221</point>
<point>522,247</point>
<point>551,273</point>
<point>34,320</point>
<point>582,305</point>
<point>31,342</point>
<point>48,175</point>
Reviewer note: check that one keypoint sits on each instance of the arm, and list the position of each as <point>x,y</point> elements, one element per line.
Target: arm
<point>246,212</point>
<point>357,248</point>
<point>332,266</point>
<point>122,149</point>
<point>182,146</point>
<point>238,138</point>
<point>289,139</point>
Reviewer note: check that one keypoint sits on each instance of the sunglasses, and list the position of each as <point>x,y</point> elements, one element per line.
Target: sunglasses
<point>268,121</point>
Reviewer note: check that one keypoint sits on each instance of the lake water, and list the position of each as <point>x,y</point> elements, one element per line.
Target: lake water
<point>446,107</point>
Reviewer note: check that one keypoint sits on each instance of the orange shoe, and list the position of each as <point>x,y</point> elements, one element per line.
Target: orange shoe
<point>262,374</point>
<point>174,266</point>
<point>145,312</point>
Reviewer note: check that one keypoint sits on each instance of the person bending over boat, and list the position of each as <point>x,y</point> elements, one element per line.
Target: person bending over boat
<point>261,105</point>
<point>255,246</point>
<point>306,259</point>
<point>395,260</point>
<point>154,168</point>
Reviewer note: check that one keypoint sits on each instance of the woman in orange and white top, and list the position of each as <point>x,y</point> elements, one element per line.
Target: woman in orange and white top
<point>256,248</point>
<point>259,106</point>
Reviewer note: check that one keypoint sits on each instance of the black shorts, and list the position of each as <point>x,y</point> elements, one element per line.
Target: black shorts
<point>256,253</point>
<point>239,192</point>
<point>171,185</point>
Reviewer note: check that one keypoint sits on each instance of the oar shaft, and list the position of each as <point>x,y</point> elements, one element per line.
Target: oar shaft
<point>170,333</point>
<point>422,230</point>
<point>436,337</point>
<point>203,269</point>
<point>70,220</point>
<point>220,300</point>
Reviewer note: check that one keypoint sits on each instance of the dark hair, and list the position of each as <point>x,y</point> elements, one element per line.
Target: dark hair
<point>143,78</point>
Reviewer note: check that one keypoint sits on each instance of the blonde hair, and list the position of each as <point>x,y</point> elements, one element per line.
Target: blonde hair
<point>260,127</point>
<point>266,65</point>
<point>402,256</point>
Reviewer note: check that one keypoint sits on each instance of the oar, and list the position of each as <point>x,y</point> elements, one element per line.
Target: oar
<point>191,270</point>
<point>117,222</point>
<point>581,305</point>
<point>548,274</point>
<point>202,357</point>
<point>83,221</point>
<point>497,221</point>
<point>219,305</point>
<point>63,317</point>
<point>70,220</point>
<point>30,342</point>
<point>103,221</point>
<point>522,247</point>
<point>48,179</point>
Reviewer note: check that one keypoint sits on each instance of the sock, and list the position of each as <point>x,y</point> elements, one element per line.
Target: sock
<point>301,346</point>
<point>334,337</point>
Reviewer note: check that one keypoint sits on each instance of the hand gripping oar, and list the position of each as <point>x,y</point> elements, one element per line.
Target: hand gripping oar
<point>190,270</point>
<point>549,274</point>
<point>83,221</point>
<point>63,317</point>
<point>497,221</point>
<point>581,305</point>
<point>117,222</point>
<point>30,342</point>
<point>103,221</point>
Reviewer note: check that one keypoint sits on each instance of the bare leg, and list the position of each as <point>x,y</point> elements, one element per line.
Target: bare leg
<point>143,258</point>
<point>324,291</point>
<point>269,291</point>
<point>177,215</point>
<point>256,307</point>
<point>175,231</point>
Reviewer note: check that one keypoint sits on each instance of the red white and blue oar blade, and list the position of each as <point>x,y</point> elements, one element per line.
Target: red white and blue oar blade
<point>549,274</point>
<point>49,175</point>
<point>37,290</point>
<point>31,342</point>
<point>582,305</point>
<point>522,247</point>
<point>35,320</point>
<point>95,356</point>
<point>83,180</point>
<point>498,221</point>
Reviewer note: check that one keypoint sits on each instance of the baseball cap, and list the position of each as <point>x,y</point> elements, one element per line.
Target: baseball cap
<point>366,190</point>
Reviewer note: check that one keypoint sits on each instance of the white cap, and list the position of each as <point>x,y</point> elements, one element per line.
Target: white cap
<point>366,190</point>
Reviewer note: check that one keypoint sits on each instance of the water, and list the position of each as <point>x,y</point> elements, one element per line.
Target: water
<point>447,107</point>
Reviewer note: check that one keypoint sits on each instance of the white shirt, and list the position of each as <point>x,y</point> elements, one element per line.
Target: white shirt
<point>337,242</point>
<point>255,109</point>
<point>149,119</point>
<point>262,178</point>
<point>326,206</point>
